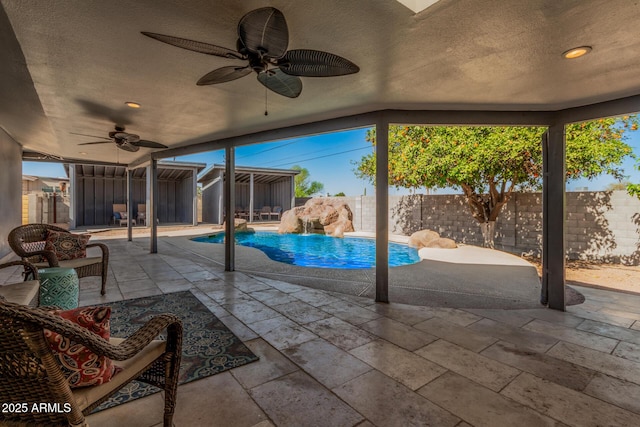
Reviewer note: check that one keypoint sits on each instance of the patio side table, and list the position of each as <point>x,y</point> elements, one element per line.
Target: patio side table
<point>59,287</point>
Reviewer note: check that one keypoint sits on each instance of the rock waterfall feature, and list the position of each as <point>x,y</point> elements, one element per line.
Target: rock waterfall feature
<point>324,215</point>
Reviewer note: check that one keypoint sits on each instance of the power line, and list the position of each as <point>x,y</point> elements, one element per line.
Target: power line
<point>268,149</point>
<point>297,155</point>
<point>322,157</point>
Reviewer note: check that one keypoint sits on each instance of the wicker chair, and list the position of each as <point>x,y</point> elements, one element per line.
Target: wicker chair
<point>27,241</point>
<point>26,292</point>
<point>30,374</point>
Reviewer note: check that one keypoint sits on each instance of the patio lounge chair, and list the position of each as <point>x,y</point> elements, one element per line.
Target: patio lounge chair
<point>265,212</point>
<point>142,214</point>
<point>277,211</point>
<point>31,373</point>
<point>120,214</point>
<point>28,242</point>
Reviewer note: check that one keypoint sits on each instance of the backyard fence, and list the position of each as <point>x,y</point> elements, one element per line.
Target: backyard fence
<point>601,225</point>
<point>46,208</point>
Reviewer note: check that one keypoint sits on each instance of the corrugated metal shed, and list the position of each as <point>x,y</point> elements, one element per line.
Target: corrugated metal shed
<point>99,187</point>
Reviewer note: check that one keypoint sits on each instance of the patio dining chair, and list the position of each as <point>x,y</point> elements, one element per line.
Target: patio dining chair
<point>242,212</point>
<point>28,242</point>
<point>265,212</point>
<point>277,211</point>
<point>30,373</point>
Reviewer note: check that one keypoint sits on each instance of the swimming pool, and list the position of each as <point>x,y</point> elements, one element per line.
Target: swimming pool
<point>318,250</point>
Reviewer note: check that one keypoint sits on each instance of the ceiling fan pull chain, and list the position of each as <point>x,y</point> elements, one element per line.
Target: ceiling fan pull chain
<point>266,113</point>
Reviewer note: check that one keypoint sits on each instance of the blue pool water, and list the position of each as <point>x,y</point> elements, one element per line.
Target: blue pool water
<point>317,250</point>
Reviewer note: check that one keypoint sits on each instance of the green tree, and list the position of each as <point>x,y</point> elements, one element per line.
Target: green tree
<point>304,188</point>
<point>489,163</point>
<point>340,194</point>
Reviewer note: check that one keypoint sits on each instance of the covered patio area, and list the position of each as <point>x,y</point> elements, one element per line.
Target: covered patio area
<point>72,72</point>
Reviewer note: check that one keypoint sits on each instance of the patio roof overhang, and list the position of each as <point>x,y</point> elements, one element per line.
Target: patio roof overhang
<point>175,171</point>
<point>66,71</point>
<point>243,174</point>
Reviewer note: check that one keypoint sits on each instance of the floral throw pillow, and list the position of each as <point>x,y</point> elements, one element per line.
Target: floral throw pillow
<point>81,366</point>
<point>67,245</point>
<point>123,215</point>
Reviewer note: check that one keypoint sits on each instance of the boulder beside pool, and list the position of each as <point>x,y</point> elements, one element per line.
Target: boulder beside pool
<point>239,224</point>
<point>430,239</point>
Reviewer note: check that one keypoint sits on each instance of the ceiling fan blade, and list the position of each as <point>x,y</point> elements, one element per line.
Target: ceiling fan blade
<point>264,31</point>
<point>195,46</point>
<point>90,136</point>
<point>281,83</point>
<point>128,147</point>
<point>97,142</point>
<point>222,75</point>
<point>315,63</point>
<point>148,144</point>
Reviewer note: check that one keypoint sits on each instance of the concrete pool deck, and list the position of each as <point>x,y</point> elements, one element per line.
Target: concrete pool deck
<point>466,277</point>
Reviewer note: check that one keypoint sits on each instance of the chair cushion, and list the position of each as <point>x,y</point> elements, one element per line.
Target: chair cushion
<point>123,215</point>
<point>131,368</point>
<point>25,293</point>
<point>67,245</point>
<point>81,366</point>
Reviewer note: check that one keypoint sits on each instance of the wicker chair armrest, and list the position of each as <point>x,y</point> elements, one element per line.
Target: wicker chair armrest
<point>27,265</point>
<point>102,246</point>
<point>51,257</point>
<point>125,350</point>
<point>147,333</point>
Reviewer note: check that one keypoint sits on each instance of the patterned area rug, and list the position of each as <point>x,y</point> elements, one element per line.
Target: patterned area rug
<point>208,346</point>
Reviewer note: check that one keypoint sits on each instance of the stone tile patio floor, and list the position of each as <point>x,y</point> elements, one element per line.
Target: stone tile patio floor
<point>328,359</point>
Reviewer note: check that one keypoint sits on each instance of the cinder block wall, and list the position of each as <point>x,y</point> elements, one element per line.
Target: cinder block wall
<point>601,225</point>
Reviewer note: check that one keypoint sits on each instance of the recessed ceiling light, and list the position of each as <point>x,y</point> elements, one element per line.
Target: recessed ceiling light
<point>418,6</point>
<point>83,152</point>
<point>132,104</point>
<point>576,52</point>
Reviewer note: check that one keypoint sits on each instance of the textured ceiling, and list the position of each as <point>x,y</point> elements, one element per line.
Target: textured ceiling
<point>67,67</point>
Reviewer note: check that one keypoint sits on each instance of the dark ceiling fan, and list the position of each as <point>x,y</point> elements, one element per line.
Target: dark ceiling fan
<point>263,38</point>
<point>126,141</point>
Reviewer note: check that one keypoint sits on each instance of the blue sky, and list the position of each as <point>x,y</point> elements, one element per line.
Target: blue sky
<point>329,159</point>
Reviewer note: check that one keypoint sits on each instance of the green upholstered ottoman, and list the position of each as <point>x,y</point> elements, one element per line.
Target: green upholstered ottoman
<point>59,287</point>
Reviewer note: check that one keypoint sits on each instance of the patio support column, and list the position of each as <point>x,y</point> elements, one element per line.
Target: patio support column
<point>230,207</point>
<point>73,204</point>
<point>194,173</point>
<point>251,197</point>
<point>553,218</point>
<point>147,193</point>
<point>129,203</point>
<point>382,210</point>
<point>152,213</point>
